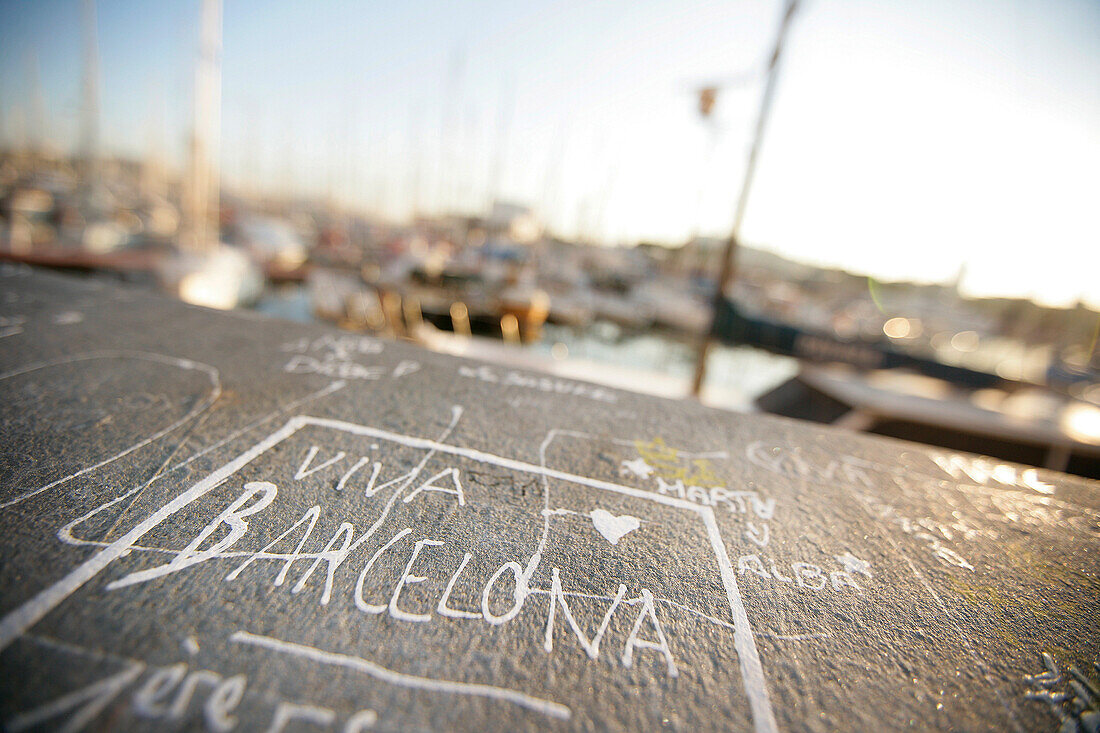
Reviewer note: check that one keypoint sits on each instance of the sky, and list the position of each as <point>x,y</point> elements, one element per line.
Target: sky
<point>907,139</point>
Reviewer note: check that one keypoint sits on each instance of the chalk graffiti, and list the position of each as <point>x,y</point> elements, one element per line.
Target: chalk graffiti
<point>335,356</point>
<point>297,559</point>
<point>551,385</point>
<point>169,694</point>
<point>197,409</point>
<point>802,574</point>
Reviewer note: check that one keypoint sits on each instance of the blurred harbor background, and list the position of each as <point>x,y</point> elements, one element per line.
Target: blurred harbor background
<point>558,187</point>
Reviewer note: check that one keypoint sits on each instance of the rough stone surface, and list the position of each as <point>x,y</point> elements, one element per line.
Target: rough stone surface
<point>209,521</point>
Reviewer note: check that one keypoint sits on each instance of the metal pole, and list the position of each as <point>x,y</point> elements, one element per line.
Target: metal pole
<point>203,189</point>
<point>89,142</point>
<point>728,264</point>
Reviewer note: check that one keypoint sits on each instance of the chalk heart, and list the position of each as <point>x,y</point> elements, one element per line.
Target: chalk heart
<point>614,528</point>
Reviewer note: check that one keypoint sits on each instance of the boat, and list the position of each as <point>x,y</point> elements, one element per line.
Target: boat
<point>869,386</point>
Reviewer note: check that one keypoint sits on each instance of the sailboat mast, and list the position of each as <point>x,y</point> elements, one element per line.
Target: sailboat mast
<point>89,143</point>
<point>203,186</point>
<point>728,264</point>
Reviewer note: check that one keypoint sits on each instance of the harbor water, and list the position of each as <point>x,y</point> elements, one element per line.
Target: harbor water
<point>622,357</point>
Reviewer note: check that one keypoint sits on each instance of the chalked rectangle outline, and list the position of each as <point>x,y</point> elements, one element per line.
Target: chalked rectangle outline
<point>21,619</point>
<point>752,673</point>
